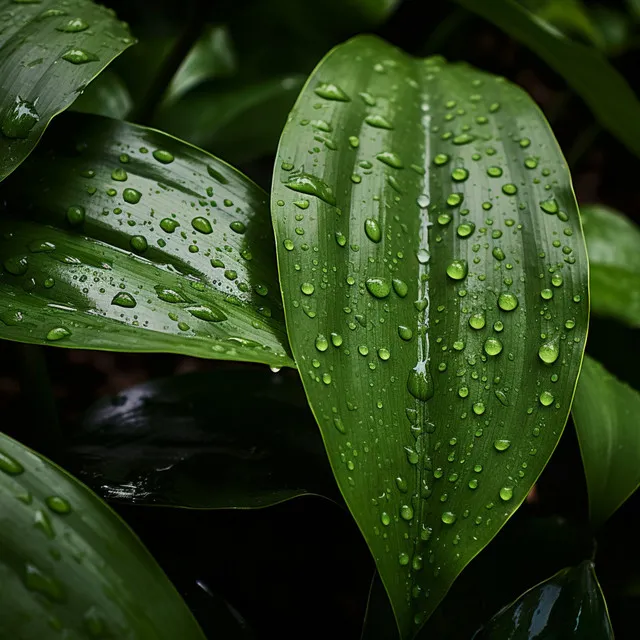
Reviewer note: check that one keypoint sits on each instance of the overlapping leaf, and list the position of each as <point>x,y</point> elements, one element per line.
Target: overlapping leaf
<point>123,238</point>
<point>606,413</point>
<point>230,439</point>
<point>435,288</point>
<point>570,604</point>
<point>49,52</point>
<point>70,567</point>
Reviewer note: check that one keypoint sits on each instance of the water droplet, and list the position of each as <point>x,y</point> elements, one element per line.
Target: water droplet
<point>74,25</point>
<point>423,256</point>
<point>37,581</point>
<point>478,408</point>
<point>76,215</point>
<point>119,174</point>
<point>202,225</point>
<point>391,159</point>
<point>477,320</point>
<point>58,333</point>
<point>42,521</point>
<point>507,301</point>
<point>330,91</point>
<point>465,229</point>
<point>403,558</point>
<point>322,344</point>
<point>139,243</point>
<point>509,189</point>
<point>305,183</point>
<point>506,493</point>
<point>405,333</point>
<point>384,354</point>
<point>378,121</point>
<point>208,314</point>
<point>94,624</point>
<point>58,505</point>
<point>79,56</point>
<point>336,339</point>
<point>169,225</point>
<point>420,384</point>
<point>463,138</point>
<point>549,351</point>
<point>124,299</point>
<point>492,346</point>
<point>238,227</point>
<point>546,398</point>
<point>378,287</point>
<point>169,295</point>
<point>166,157</point>
<point>498,253</point>
<point>372,229</point>
<point>501,444</point>
<point>448,517</point>
<point>459,174</point>
<point>10,465</point>
<point>457,269</point>
<point>307,288</point>
<point>400,287</point>
<point>423,200</point>
<point>454,199</point>
<point>549,206</point>
<point>406,512</point>
<point>494,172</point>
<point>385,519</point>
<point>556,280</point>
<point>339,425</point>
<point>19,119</point>
<point>132,196</point>
<point>16,265</point>
<point>440,159</point>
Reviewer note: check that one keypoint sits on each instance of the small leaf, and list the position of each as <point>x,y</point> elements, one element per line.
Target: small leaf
<point>49,56</point>
<point>604,89</point>
<point>107,96</point>
<point>613,243</point>
<point>70,566</point>
<point>435,292</point>
<point>207,441</point>
<point>570,604</point>
<point>131,240</point>
<point>606,413</point>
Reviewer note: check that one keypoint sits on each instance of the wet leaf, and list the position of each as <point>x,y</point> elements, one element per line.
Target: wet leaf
<point>613,242</point>
<point>570,604</point>
<point>70,566</point>
<point>206,441</point>
<point>435,289</point>
<point>107,95</point>
<point>586,70</point>
<point>49,54</point>
<point>606,413</point>
<point>131,240</point>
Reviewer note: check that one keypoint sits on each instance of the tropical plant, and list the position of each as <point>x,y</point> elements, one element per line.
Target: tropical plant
<point>417,267</point>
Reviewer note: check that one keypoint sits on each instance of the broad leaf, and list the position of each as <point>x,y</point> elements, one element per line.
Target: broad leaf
<point>232,438</point>
<point>605,91</point>
<point>606,413</point>
<point>238,121</point>
<point>70,566</point>
<point>435,288</point>
<point>613,242</point>
<point>107,95</point>
<point>50,52</point>
<point>135,241</point>
<point>570,604</point>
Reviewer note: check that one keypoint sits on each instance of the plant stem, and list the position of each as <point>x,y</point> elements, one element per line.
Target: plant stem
<point>191,32</point>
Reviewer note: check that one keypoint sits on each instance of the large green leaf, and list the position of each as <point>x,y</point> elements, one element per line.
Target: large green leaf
<point>49,52</point>
<point>69,567</point>
<point>435,288</point>
<point>123,238</point>
<point>606,413</point>
<point>613,242</point>
<point>570,604</point>
<point>233,438</point>
<point>586,70</point>
<point>107,95</point>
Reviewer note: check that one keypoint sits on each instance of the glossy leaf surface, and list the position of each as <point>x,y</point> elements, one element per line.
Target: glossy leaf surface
<point>570,604</point>
<point>613,242</point>
<point>70,567</point>
<point>586,70</point>
<point>107,95</point>
<point>606,413</point>
<point>435,288</point>
<point>232,438</point>
<point>50,52</point>
<point>123,238</point>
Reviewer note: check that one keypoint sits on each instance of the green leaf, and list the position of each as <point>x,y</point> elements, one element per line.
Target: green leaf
<point>206,440</point>
<point>107,95</point>
<point>570,604</point>
<point>70,566</point>
<point>613,243</point>
<point>128,239</point>
<point>416,241</point>
<point>605,91</point>
<point>239,121</point>
<point>606,413</point>
<point>49,55</point>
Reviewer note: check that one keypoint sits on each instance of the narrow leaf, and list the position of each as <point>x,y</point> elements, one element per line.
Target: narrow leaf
<point>606,413</point>
<point>613,243</point>
<point>570,604</point>
<point>586,70</point>
<point>435,287</point>
<point>135,241</point>
<point>49,54</point>
<point>107,95</point>
<point>70,566</point>
<point>232,438</point>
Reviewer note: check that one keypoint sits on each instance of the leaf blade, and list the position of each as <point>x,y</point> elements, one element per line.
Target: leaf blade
<point>132,244</point>
<point>42,80</point>
<point>68,562</point>
<point>605,412</point>
<point>367,294</point>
